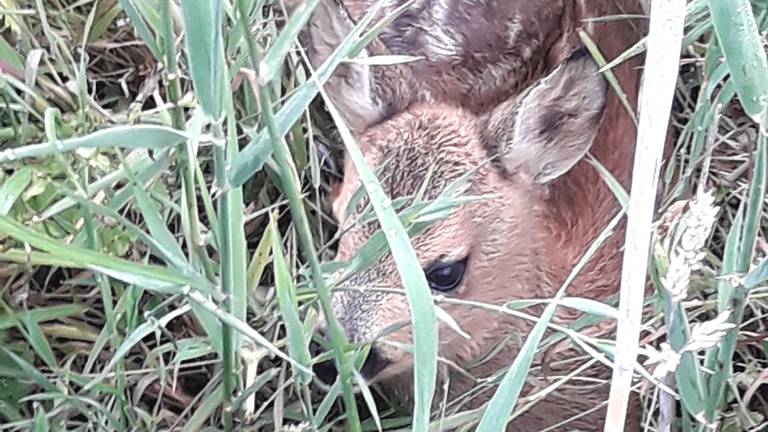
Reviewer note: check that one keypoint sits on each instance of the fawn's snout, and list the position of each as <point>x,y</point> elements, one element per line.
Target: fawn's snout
<point>326,370</point>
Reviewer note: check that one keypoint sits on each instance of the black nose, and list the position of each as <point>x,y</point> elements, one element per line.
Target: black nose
<point>374,363</point>
<point>326,370</point>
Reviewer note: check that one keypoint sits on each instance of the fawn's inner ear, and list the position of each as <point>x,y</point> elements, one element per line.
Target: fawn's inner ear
<point>543,134</point>
<point>363,94</point>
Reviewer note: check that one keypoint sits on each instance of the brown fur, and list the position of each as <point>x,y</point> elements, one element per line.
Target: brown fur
<point>449,112</point>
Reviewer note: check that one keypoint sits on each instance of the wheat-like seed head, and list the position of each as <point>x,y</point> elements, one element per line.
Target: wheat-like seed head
<point>685,242</point>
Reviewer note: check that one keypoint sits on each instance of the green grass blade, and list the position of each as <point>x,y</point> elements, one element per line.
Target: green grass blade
<point>140,27</point>
<point>148,276</point>
<point>298,345</point>
<point>42,314</point>
<point>202,20</point>
<point>39,342</point>
<point>41,421</point>
<point>243,328</point>
<point>737,31</point>
<point>134,338</point>
<point>159,230</point>
<point>137,161</point>
<point>755,201</point>
<point>425,332</point>
<point>275,56</point>
<point>12,189</point>
<point>757,276</point>
<point>138,136</point>
<point>253,156</point>
<point>206,408</point>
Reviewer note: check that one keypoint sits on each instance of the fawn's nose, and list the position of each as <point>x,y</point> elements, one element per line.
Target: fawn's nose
<point>326,370</point>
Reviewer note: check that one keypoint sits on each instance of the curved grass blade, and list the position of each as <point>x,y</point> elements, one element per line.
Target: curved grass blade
<point>253,156</point>
<point>135,136</point>
<point>157,227</point>
<point>757,276</point>
<point>134,338</point>
<point>425,332</point>
<point>270,64</point>
<point>41,314</point>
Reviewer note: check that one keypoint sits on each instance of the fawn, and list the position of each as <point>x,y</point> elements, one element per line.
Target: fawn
<point>498,80</point>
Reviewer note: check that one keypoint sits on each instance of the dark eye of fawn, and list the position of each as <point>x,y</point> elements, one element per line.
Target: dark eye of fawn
<point>446,276</point>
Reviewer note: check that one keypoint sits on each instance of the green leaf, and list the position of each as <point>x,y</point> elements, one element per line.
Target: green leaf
<point>141,27</point>
<point>159,229</point>
<point>203,411</point>
<point>243,328</point>
<point>41,421</point>
<point>41,314</point>
<point>138,136</point>
<point>253,156</point>
<point>589,306</point>
<point>298,345</point>
<point>134,338</point>
<point>740,40</point>
<point>273,60</point>
<point>39,342</point>
<point>425,331</point>
<point>153,277</point>
<point>12,189</point>
<point>202,21</point>
<point>758,275</point>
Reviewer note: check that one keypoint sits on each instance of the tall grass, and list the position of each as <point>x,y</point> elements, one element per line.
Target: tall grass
<point>165,246</point>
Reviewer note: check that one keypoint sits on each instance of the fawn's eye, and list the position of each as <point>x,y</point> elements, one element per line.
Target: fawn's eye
<point>446,276</point>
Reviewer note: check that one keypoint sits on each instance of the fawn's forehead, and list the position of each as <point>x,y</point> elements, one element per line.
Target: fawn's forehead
<point>423,149</point>
<point>435,145</point>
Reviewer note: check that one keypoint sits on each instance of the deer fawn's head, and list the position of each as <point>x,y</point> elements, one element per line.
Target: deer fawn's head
<point>491,251</point>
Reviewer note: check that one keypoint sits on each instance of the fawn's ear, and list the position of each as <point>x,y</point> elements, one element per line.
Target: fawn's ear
<point>546,131</point>
<point>363,94</point>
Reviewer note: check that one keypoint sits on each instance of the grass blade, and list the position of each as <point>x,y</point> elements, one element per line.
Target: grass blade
<point>148,276</point>
<point>202,20</point>
<point>138,136</point>
<point>252,157</point>
<point>742,47</point>
<point>12,189</point>
<point>42,314</point>
<point>298,346</point>
<point>157,227</point>
<point>425,332</point>
<point>659,80</point>
<point>272,61</point>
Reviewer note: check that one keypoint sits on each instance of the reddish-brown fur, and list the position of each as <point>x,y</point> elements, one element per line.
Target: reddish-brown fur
<point>476,93</point>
